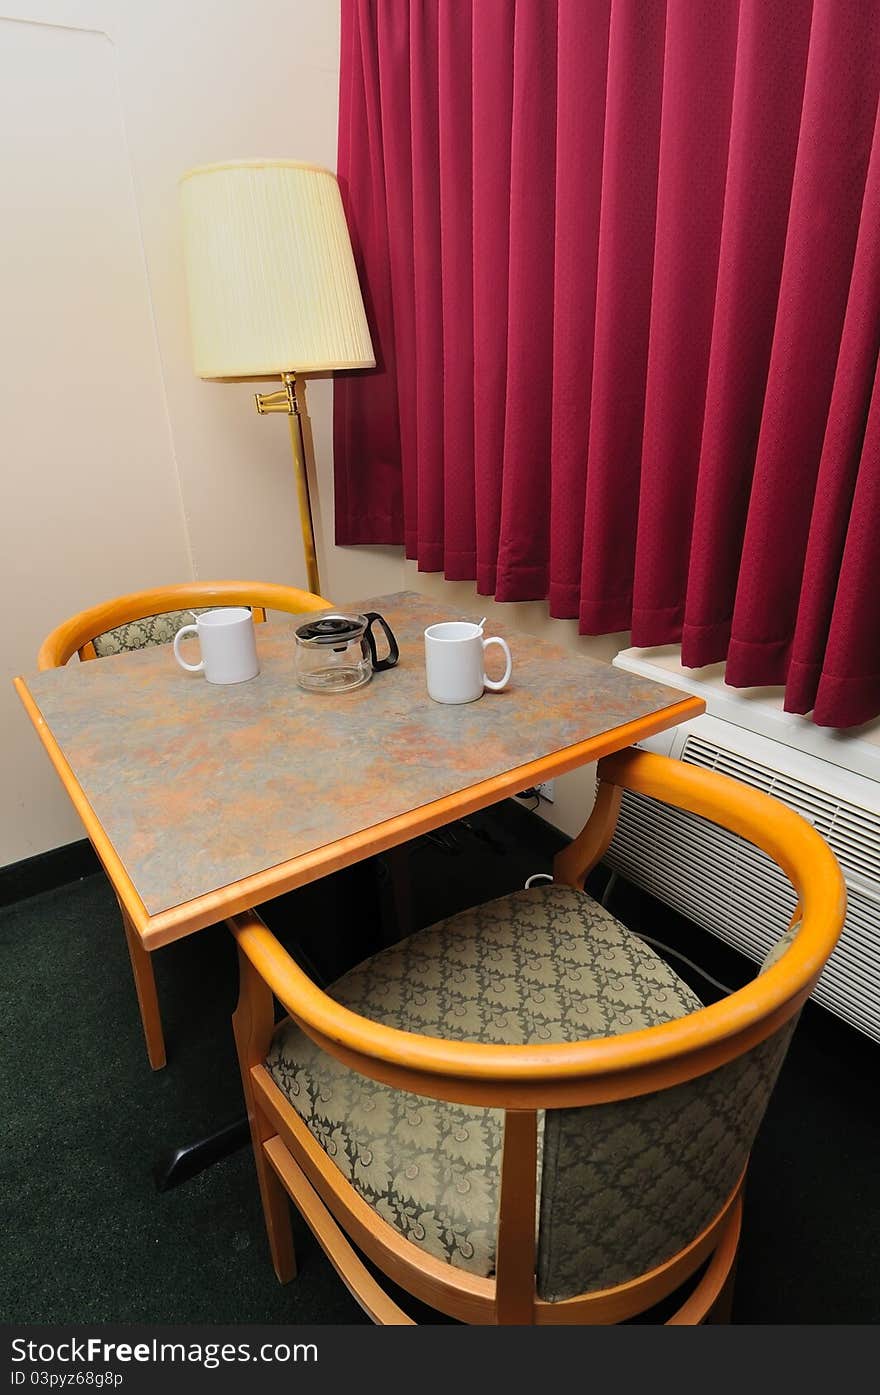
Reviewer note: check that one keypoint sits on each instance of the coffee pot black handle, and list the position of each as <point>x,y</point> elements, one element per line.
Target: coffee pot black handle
<point>371,616</point>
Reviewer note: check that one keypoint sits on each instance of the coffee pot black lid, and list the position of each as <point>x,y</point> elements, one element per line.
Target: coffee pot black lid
<point>331,629</point>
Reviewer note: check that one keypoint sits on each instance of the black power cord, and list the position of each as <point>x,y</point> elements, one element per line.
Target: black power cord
<point>532,793</point>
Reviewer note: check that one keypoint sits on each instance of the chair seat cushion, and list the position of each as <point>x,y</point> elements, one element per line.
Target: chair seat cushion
<point>548,964</point>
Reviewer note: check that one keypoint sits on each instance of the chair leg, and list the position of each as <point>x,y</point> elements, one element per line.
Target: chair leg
<point>252,1025</point>
<point>722,1309</point>
<point>276,1209</point>
<point>148,998</point>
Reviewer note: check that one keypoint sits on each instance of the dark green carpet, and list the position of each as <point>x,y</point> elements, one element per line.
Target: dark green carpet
<point>89,1238</point>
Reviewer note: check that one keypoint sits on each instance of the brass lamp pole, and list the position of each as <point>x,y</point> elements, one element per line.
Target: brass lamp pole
<point>273,289</point>
<point>285,400</point>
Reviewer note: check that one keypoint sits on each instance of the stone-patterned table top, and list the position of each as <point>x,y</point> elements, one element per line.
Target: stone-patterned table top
<point>197,786</point>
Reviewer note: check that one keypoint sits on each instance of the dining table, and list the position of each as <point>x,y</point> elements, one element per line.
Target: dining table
<point>202,800</point>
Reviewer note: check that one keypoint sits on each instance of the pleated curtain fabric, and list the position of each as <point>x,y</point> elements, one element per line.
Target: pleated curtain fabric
<point>621,260</point>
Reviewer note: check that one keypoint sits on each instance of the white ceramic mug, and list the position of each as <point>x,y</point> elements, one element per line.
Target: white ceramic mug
<point>454,662</point>
<point>228,645</point>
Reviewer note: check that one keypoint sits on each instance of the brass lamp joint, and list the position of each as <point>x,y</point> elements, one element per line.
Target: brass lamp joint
<point>284,400</point>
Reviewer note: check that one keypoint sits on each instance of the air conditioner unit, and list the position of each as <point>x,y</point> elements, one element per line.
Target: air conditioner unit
<point>724,884</point>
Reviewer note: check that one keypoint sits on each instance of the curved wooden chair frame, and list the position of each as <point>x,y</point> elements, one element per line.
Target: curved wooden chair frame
<point>523,1079</point>
<point>77,636</point>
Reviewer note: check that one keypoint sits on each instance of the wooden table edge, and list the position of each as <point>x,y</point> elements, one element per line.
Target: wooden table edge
<point>178,921</point>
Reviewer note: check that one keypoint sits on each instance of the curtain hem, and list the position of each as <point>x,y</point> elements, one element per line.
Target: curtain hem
<point>836,701</point>
<point>605,617</point>
<point>365,531</point>
<point>757,663</point>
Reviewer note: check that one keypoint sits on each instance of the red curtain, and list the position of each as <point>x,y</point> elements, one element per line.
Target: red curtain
<point>621,261</point>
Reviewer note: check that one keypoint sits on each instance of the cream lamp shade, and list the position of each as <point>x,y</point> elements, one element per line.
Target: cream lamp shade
<point>270,271</point>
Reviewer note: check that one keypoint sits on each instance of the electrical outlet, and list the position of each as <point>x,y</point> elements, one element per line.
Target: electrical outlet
<point>545,791</point>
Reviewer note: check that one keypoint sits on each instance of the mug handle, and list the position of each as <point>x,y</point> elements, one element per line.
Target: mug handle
<point>492,683</point>
<point>379,664</point>
<point>187,630</point>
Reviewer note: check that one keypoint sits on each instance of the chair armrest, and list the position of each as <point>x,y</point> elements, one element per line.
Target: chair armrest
<point>595,1071</point>
<point>767,823</point>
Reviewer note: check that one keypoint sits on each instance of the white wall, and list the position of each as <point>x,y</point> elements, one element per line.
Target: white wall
<point>118,468</point>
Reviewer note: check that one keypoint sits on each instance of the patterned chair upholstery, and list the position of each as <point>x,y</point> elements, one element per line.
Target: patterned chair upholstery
<point>141,634</point>
<point>623,1186</point>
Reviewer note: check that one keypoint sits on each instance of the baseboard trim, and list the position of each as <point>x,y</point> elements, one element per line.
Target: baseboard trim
<point>46,871</point>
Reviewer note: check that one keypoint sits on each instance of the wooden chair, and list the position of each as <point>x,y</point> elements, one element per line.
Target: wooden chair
<point>137,621</point>
<point>400,1111</point>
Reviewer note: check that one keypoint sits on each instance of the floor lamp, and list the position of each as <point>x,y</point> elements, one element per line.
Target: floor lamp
<point>273,289</point>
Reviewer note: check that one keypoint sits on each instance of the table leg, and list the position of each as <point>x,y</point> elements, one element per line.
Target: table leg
<point>359,916</point>
<point>145,987</point>
<point>401,888</point>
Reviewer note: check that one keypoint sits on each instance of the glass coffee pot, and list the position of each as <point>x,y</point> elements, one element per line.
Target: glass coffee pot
<point>336,653</point>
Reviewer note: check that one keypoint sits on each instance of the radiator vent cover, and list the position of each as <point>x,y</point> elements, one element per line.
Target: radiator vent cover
<point>853,833</point>
<point>722,883</point>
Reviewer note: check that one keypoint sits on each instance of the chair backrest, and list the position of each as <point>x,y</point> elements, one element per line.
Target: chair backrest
<point>627,1185</point>
<point>686,1149</point>
<point>143,618</point>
